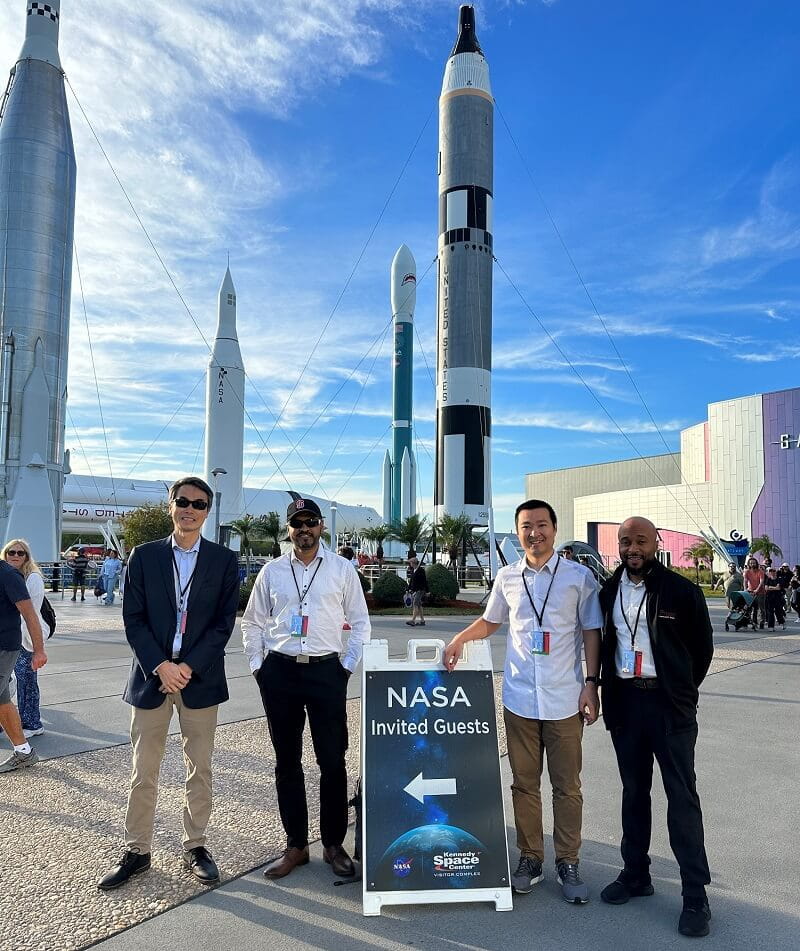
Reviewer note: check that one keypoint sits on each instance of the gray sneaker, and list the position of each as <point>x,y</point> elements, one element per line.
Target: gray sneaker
<point>528,874</point>
<point>19,761</point>
<point>573,888</point>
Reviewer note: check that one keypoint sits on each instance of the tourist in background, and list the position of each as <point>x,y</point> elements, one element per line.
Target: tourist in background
<point>79,565</point>
<point>418,587</point>
<point>754,578</point>
<point>18,554</point>
<point>110,572</point>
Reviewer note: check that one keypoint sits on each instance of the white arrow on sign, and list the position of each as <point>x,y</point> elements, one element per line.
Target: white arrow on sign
<point>419,788</point>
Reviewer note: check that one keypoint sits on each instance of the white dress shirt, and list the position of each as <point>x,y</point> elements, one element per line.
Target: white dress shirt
<point>632,595</point>
<point>544,686</point>
<point>186,560</point>
<point>330,596</point>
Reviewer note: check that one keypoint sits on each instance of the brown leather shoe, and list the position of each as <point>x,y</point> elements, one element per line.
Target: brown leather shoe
<point>291,858</point>
<point>339,861</point>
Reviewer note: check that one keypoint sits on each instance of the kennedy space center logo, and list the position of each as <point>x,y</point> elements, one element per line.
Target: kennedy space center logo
<point>463,864</point>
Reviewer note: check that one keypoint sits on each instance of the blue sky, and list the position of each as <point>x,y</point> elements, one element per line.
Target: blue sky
<point>663,139</point>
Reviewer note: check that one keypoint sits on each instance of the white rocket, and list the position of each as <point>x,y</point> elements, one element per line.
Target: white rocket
<point>399,468</point>
<point>225,412</point>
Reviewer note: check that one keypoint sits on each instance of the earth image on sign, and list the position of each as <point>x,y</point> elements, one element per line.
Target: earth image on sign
<point>427,854</point>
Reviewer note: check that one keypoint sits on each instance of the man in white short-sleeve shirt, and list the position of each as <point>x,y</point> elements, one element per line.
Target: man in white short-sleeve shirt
<point>553,614</point>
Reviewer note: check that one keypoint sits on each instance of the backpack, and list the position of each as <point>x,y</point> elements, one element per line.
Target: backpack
<point>48,615</point>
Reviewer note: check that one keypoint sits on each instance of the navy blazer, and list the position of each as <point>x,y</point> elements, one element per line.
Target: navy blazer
<point>149,610</point>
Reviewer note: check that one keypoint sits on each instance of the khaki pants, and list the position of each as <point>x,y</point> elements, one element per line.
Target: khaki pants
<point>149,739</point>
<point>528,741</point>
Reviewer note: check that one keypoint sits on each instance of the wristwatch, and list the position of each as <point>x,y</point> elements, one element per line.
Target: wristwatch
<point>592,679</point>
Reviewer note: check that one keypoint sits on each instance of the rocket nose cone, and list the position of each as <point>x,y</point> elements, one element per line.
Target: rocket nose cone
<point>404,281</point>
<point>41,32</point>
<point>466,42</point>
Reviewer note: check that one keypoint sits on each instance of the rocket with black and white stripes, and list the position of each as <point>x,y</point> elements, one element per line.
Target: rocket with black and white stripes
<point>464,351</point>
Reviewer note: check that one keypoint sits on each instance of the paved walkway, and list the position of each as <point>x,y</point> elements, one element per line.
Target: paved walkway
<point>60,823</point>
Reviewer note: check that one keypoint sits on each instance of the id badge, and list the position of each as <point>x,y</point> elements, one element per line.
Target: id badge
<point>632,663</point>
<point>540,642</point>
<point>181,622</point>
<point>299,626</point>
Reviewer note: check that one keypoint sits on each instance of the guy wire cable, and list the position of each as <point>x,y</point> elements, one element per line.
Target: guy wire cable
<point>180,296</point>
<point>675,456</point>
<point>94,372</point>
<point>592,393</point>
<point>85,456</point>
<point>166,425</point>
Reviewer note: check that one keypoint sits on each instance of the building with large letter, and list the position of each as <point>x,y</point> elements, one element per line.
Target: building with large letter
<point>738,472</point>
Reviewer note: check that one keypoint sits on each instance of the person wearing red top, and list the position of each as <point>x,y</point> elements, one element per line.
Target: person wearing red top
<point>754,579</point>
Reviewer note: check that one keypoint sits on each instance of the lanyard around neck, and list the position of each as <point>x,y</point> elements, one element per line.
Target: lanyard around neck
<point>308,586</point>
<point>635,628</point>
<point>185,588</point>
<point>540,616</point>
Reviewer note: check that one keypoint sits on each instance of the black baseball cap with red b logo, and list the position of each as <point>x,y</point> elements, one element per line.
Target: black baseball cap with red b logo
<point>303,505</point>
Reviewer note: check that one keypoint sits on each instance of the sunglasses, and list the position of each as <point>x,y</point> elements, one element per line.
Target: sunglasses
<point>296,522</point>
<point>200,504</point>
<point>15,551</point>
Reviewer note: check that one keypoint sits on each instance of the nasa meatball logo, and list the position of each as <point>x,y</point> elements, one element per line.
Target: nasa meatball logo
<point>402,866</point>
<point>457,863</point>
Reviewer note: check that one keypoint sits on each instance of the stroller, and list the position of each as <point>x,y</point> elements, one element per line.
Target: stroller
<point>740,614</point>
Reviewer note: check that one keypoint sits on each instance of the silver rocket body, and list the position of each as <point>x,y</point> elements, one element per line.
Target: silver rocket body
<point>225,412</point>
<point>37,211</point>
<point>464,292</point>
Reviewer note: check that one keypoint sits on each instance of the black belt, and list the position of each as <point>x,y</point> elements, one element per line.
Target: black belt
<point>304,658</point>
<point>643,683</point>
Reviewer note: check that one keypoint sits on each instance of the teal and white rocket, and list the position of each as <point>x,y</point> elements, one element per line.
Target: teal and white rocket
<point>400,468</point>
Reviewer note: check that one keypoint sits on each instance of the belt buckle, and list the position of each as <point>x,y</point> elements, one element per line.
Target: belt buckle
<point>303,658</point>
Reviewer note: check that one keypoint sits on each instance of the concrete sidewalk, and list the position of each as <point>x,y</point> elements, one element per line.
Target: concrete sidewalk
<point>60,824</point>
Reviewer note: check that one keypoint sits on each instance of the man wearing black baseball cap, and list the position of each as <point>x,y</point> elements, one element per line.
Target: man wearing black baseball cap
<point>293,638</point>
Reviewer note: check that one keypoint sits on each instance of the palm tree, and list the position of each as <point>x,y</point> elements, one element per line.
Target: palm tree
<point>270,527</point>
<point>699,553</point>
<point>377,534</point>
<point>409,531</point>
<point>452,530</point>
<point>247,528</point>
<point>763,545</point>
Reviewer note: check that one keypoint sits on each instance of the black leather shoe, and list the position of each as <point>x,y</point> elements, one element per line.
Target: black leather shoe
<point>131,863</point>
<point>695,917</point>
<point>199,862</point>
<point>287,862</point>
<point>339,861</point>
<point>623,889</point>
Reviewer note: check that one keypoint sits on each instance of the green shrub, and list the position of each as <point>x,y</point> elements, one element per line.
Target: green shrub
<point>442,584</point>
<point>366,584</point>
<point>245,590</point>
<point>389,589</point>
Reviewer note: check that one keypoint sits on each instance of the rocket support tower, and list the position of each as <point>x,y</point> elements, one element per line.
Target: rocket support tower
<point>37,213</point>
<point>464,292</point>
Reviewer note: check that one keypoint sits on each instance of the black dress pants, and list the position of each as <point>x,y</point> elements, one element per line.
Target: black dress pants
<point>776,608</point>
<point>291,691</point>
<point>644,736</point>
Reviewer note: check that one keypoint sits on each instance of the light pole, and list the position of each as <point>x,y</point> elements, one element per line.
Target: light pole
<point>332,526</point>
<point>217,499</point>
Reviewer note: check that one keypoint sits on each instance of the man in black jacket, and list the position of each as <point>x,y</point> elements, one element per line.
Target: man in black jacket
<point>180,605</point>
<point>657,647</point>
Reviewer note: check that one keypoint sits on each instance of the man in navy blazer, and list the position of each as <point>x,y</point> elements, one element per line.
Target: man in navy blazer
<point>181,597</point>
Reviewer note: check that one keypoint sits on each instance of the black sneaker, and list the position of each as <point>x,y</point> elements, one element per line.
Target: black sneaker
<point>528,874</point>
<point>621,891</point>
<point>695,917</point>
<point>131,863</point>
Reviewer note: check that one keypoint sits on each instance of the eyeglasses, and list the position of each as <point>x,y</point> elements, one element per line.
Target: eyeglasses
<point>183,503</point>
<point>15,551</point>
<point>296,522</point>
